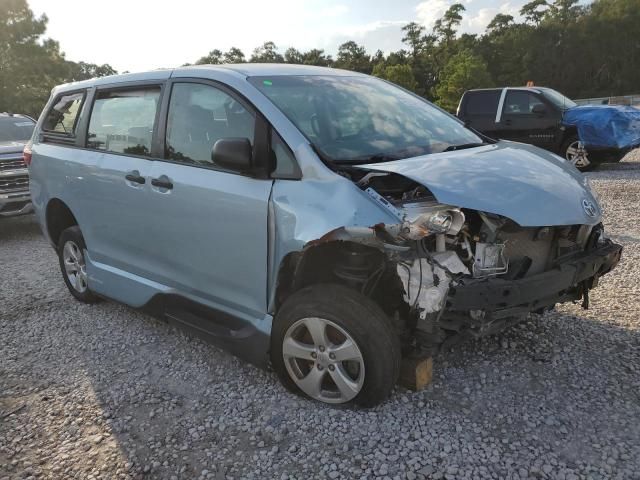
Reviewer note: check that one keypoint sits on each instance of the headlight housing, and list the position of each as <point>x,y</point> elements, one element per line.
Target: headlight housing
<point>435,221</point>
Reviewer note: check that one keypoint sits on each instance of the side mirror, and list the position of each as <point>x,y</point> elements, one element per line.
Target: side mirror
<point>233,154</point>
<point>539,109</point>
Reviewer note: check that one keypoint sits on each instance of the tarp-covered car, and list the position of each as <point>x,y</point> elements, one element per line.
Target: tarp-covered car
<point>611,129</point>
<point>583,135</point>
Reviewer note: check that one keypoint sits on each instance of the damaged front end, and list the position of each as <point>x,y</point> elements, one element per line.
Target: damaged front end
<point>445,273</point>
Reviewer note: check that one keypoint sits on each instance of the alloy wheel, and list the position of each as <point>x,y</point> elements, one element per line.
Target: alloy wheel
<point>74,266</point>
<point>323,360</point>
<point>577,154</point>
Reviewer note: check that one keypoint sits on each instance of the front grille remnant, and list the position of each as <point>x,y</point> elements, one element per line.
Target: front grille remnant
<point>18,183</point>
<point>14,176</point>
<point>12,164</point>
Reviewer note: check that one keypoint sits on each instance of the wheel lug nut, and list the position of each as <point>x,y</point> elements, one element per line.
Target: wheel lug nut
<point>314,355</point>
<point>332,368</point>
<point>320,367</point>
<point>332,356</point>
<point>322,348</point>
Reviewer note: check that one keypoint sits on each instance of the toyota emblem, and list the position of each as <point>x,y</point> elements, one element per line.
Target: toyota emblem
<point>589,208</point>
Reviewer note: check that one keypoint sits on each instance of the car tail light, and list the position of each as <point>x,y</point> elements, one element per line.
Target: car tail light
<point>26,154</point>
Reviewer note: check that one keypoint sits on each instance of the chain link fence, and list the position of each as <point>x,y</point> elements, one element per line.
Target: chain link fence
<point>633,100</point>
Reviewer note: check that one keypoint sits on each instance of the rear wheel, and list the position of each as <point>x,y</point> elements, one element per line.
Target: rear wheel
<point>335,345</point>
<point>574,152</point>
<point>71,248</point>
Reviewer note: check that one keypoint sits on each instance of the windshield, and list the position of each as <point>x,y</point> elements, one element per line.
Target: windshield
<point>558,99</point>
<point>351,119</point>
<point>15,129</point>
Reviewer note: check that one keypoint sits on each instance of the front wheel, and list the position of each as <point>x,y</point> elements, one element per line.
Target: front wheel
<point>335,345</point>
<point>574,152</point>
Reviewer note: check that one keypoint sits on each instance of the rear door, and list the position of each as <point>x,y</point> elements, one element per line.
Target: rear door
<point>479,109</point>
<point>114,191</point>
<point>209,226</point>
<point>521,122</point>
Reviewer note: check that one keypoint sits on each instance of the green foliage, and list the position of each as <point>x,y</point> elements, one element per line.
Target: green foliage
<point>293,55</point>
<point>267,53</point>
<point>399,74</point>
<point>534,11</point>
<point>352,56</point>
<point>580,50</point>
<point>213,58</point>
<point>31,66</point>
<point>445,28</point>
<point>463,71</point>
<point>317,57</point>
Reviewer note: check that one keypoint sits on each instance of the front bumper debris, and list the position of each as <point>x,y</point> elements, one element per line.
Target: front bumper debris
<point>495,298</point>
<point>13,204</point>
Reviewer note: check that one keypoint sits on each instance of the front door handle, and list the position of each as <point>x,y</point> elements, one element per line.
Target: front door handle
<point>162,182</point>
<point>135,177</point>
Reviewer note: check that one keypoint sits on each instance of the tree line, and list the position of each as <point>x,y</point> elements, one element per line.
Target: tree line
<point>581,50</point>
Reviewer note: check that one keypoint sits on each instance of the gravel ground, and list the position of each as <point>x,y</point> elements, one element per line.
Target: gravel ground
<point>107,392</point>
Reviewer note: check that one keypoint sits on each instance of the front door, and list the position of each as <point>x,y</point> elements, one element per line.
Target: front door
<point>527,118</point>
<point>208,227</point>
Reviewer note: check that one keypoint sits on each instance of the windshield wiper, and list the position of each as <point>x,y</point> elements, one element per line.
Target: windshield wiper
<point>462,146</point>
<point>376,158</point>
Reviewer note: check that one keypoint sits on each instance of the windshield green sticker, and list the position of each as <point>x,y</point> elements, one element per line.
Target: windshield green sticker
<point>268,83</point>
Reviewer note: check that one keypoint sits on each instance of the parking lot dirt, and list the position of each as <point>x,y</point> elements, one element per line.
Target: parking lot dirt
<point>105,391</point>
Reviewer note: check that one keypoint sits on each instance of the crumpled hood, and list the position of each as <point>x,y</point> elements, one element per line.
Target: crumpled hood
<point>605,126</point>
<point>529,185</point>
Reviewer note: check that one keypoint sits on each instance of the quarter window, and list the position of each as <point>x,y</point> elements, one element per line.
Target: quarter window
<point>519,102</point>
<point>123,121</point>
<point>199,116</point>
<point>286,166</point>
<point>63,115</point>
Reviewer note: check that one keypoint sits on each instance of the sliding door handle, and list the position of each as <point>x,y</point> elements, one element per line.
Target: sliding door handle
<point>135,177</point>
<point>162,182</point>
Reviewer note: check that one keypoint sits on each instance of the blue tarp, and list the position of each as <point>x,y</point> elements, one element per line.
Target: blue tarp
<point>605,126</point>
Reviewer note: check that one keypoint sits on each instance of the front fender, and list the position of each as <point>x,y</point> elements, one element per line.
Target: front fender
<point>302,211</point>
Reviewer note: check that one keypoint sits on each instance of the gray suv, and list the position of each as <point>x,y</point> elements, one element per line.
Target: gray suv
<point>325,222</point>
<point>15,132</point>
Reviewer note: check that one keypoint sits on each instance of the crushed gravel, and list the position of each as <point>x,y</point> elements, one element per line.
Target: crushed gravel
<point>106,392</point>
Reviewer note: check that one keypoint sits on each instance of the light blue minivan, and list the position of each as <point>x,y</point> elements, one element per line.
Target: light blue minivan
<point>323,221</point>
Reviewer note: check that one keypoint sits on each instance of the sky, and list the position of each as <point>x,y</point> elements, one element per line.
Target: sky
<point>137,35</point>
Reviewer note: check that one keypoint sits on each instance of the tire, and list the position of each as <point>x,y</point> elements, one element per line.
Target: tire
<point>583,164</point>
<point>344,315</point>
<point>71,256</point>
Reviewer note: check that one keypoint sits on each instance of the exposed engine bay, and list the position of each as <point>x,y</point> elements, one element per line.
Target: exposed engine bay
<point>446,273</point>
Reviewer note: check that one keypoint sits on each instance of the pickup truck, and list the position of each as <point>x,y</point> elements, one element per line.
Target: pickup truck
<point>583,135</point>
<point>15,132</point>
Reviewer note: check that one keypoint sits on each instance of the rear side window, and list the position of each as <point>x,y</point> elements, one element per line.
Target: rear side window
<point>62,117</point>
<point>482,103</point>
<point>199,116</point>
<point>123,121</point>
